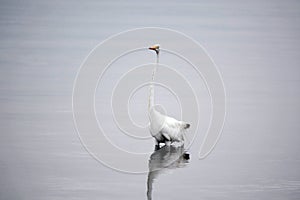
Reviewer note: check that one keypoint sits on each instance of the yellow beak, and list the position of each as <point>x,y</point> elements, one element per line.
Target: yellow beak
<point>154,47</point>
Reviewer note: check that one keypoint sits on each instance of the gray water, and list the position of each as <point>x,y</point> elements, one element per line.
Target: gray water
<point>256,46</point>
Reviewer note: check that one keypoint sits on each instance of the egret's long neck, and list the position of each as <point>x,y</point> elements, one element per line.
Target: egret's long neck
<point>151,94</point>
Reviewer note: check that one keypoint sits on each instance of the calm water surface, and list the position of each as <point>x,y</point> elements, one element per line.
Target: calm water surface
<point>256,46</point>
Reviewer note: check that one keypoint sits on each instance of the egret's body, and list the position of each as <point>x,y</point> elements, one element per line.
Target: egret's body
<point>163,128</point>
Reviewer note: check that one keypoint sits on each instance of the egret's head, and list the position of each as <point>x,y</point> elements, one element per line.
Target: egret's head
<point>155,48</point>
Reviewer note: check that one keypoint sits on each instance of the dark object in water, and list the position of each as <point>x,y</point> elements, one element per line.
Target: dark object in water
<point>186,156</point>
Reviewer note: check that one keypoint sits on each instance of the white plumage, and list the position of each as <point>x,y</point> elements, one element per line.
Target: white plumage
<point>163,128</point>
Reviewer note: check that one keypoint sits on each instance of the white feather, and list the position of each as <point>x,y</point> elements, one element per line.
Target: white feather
<point>163,128</point>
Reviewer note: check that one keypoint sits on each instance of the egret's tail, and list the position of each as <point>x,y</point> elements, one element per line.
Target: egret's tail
<point>185,125</point>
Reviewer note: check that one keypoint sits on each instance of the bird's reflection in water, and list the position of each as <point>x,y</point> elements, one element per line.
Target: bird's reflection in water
<point>163,160</point>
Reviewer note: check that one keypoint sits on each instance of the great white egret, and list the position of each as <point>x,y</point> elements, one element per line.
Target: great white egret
<point>163,128</point>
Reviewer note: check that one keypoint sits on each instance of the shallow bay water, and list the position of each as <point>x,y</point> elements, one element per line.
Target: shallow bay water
<point>256,47</point>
